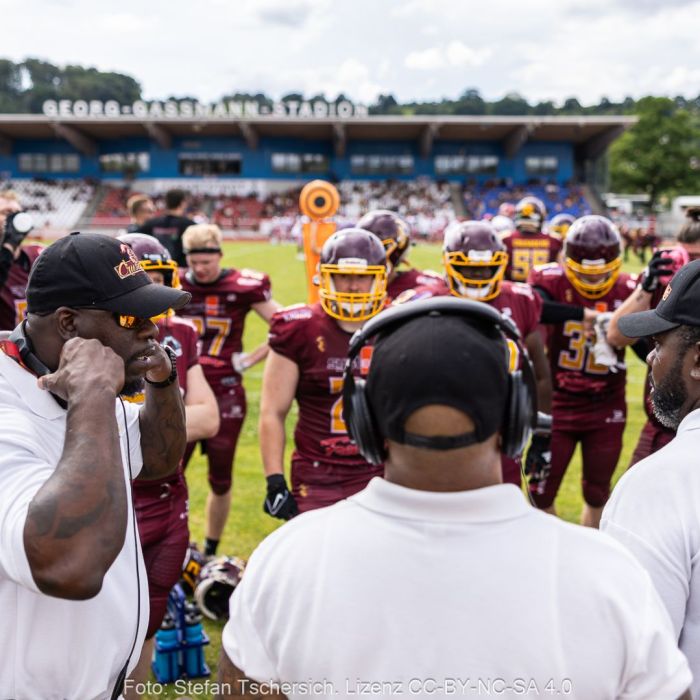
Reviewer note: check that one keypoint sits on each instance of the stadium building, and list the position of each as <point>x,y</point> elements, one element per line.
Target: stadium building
<point>237,148</point>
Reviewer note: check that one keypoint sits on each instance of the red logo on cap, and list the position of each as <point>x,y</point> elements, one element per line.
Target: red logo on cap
<point>667,291</point>
<point>365,359</point>
<point>127,268</point>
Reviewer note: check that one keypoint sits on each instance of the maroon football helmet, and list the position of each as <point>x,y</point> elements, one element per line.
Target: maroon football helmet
<point>530,214</point>
<point>357,254</point>
<point>392,231</point>
<point>217,581</point>
<point>560,224</point>
<point>592,255</point>
<point>153,256</point>
<point>475,260</point>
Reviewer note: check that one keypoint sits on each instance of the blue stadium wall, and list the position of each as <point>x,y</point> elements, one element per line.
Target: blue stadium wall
<point>258,163</point>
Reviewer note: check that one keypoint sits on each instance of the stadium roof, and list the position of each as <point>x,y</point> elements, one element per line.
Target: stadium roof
<point>591,135</point>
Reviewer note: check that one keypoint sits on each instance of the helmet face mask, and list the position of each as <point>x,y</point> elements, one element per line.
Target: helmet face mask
<point>475,260</point>
<point>592,256</point>
<point>392,231</point>
<point>530,214</point>
<point>352,275</point>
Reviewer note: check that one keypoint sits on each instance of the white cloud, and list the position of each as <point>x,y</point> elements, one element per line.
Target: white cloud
<point>455,55</point>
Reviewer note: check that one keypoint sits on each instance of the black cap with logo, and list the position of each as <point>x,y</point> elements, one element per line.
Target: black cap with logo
<point>97,271</point>
<point>679,306</point>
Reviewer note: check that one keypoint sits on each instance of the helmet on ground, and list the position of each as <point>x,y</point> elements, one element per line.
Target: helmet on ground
<point>217,581</point>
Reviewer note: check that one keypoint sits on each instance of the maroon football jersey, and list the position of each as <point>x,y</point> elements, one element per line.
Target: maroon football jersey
<point>311,339</point>
<point>516,301</point>
<point>574,370</point>
<point>527,250</point>
<point>218,311</point>
<point>410,279</point>
<point>13,300</point>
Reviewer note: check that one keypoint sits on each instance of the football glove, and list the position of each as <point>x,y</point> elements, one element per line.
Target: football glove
<point>240,361</point>
<point>279,502</point>
<point>538,461</point>
<point>659,266</point>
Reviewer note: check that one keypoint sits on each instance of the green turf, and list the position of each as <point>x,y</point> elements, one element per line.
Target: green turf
<point>248,524</point>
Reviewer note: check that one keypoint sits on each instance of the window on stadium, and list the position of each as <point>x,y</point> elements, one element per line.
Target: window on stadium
<point>48,163</point>
<point>381,165</point>
<point>541,165</point>
<point>125,162</point>
<point>205,164</point>
<point>466,165</point>
<point>299,162</point>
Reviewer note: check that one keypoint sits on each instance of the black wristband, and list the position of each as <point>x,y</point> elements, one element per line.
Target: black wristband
<point>173,371</point>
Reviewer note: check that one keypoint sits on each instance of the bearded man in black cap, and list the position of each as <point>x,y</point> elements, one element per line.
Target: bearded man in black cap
<point>72,583</point>
<point>654,510</point>
<point>438,579</point>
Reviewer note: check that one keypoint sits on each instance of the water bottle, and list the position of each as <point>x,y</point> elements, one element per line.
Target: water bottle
<point>194,641</point>
<point>165,664</point>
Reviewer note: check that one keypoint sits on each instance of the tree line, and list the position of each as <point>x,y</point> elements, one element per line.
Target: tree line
<point>659,156</point>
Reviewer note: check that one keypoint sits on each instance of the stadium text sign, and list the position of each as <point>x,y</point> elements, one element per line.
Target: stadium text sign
<point>186,109</point>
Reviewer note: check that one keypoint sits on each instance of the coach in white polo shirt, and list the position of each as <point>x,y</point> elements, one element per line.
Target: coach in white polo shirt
<point>73,591</point>
<point>440,580</point>
<point>655,508</point>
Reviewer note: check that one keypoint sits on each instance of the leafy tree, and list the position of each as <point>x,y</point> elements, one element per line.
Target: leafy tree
<point>655,155</point>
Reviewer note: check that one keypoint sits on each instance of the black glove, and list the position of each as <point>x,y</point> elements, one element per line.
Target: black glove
<point>659,266</point>
<point>279,502</point>
<point>538,461</point>
<point>17,226</point>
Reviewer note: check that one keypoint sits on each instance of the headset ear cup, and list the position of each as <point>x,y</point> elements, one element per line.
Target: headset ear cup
<point>361,425</point>
<point>517,427</point>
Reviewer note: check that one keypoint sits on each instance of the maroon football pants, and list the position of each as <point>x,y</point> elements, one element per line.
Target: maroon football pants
<point>161,514</point>
<point>317,485</point>
<point>598,427</point>
<point>652,438</point>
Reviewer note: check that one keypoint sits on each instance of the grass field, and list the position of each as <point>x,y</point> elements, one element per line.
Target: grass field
<point>248,524</point>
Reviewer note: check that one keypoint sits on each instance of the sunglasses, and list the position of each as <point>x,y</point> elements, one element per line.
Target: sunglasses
<point>122,320</point>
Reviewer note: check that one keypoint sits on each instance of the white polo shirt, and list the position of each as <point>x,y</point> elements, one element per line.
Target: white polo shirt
<point>655,512</point>
<point>50,648</point>
<point>474,594</point>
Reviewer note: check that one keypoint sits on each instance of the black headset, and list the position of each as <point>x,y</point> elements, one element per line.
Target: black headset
<point>520,415</point>
<point>26,351</point>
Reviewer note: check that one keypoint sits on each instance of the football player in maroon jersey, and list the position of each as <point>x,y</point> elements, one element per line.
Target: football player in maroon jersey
<point>16,260</point>
<point>475,260</point>
<point>589,396</point>
<point>161,504</point>
<point>221,299</point>
<point>652,285</point>
<point>395,235</point>
<point>308,350</point>
<point>529,245</point>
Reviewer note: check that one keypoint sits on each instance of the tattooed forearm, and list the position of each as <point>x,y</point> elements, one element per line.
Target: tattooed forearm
<point>163,435</point>
<point>76,522</point>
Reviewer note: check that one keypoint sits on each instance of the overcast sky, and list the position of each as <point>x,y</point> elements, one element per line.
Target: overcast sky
<point>416,49</point>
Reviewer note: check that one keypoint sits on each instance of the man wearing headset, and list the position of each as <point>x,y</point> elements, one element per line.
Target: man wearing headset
<point>72,582</point>
<point>423,560</point>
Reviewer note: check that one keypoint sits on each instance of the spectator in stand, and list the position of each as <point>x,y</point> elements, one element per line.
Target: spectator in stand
<point>16,260</point>
<point>169,227</point>
<point>649,292</point>
<point>140,208</point>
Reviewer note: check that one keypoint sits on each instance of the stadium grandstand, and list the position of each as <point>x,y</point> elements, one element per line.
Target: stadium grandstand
<point>244,171</point>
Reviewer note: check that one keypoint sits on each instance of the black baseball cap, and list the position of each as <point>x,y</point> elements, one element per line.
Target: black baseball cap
<point>444,360</point>
<point>679,306</point>
<point>97,271</point>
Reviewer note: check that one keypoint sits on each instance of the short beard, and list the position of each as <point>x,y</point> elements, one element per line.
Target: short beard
<point>134,387</point>
<point>669,397</point>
